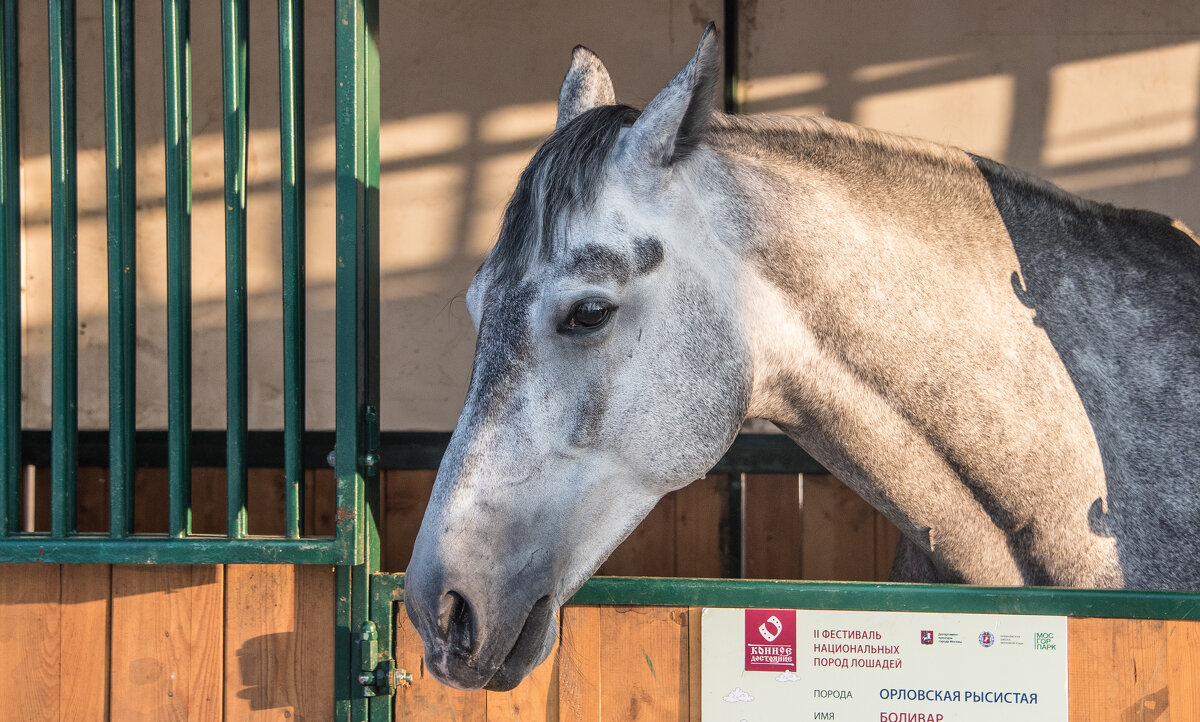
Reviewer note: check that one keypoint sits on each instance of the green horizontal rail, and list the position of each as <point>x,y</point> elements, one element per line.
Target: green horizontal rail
<point>398,450</point>
<point>166,549</point>
<point>866,596</point>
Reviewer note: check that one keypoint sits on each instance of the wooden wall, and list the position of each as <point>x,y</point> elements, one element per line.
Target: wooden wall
<point>248,642</point>
<point>642,663</point>
<point>157,643</point>
<point>255,642</point>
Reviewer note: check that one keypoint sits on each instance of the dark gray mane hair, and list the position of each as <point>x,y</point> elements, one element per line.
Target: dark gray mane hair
<point>562,177</point>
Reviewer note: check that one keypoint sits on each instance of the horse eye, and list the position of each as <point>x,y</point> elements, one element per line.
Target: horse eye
<point>588,315</point>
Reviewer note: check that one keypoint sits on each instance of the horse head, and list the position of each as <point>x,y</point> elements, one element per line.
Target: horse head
<point>609,370</point>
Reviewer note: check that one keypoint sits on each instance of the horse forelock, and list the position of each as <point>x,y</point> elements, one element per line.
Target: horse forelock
<point>563,176</point>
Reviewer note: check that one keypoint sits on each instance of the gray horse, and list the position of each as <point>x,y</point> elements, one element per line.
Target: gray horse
<point>1010,373</point>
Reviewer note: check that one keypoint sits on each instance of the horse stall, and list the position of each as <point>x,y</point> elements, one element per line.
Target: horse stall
<point>214,462</point>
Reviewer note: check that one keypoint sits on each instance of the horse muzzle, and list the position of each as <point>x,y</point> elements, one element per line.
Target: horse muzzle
<point>475,639</point>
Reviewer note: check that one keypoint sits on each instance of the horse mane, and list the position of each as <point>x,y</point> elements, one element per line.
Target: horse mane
<point>835,145</point>
<point>566,171</point>
<point>563,175</point>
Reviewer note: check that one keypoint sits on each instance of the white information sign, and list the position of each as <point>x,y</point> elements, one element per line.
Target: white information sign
<point>786,664</point>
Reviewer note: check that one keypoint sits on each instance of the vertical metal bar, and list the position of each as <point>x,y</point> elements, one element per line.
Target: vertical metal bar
<point>235,21</point>
<point>291,142</point>
<point>370,288</point>
<point>177,121</point>
<point>343,649</point>
<point>10,276</point>
<point>64,233</point>
<point>120,151</point>
<point>350,176</point>
<point>356,314</point>
<point>369,318</point>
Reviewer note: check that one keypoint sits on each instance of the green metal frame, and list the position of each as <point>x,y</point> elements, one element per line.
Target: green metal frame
<point>387,590</point>
<point>356,438</point>
<point>355,546</point>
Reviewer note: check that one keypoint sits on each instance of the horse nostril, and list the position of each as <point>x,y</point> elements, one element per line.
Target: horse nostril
<point>454,617</point>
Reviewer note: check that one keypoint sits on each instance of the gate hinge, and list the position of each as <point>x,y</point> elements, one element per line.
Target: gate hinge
<point>369,461</point>
<point>377,676</point>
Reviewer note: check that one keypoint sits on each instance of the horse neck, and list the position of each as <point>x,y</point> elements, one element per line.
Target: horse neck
<point>835,222</point>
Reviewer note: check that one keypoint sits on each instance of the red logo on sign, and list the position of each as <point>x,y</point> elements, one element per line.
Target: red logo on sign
<point>926,636</point>
<point>770,640</point>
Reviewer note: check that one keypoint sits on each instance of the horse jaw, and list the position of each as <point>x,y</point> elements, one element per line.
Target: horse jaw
<point>510,556</point>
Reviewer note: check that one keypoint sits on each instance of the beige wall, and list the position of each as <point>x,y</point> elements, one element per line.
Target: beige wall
<point>1102,97</point>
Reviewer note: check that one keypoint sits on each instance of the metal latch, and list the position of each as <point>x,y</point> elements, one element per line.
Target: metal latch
<point>377,676</point>
<point>370,458</point>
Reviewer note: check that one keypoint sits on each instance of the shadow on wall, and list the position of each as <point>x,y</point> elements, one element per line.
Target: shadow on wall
<point>1103,98</point>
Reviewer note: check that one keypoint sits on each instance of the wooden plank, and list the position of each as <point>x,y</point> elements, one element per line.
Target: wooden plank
<point>279,622</point>
<point>579,665</point>
<point>650,549</point>
<point>702,537</point>
<point>839,531</point>
<point>320,502</point>
<point>426,698</point>
<point>1183,660</point>
<point>41,498</point>
<point>772,528</point>
<point>83,635</point>
<point>887,536</point>
<point>166,642</point>
<point>315,605</point>
<point>405,496</point>
<point>29,642</point>
<point>150,501</point>
<point>206,637</point>
<point>694,655</point>
<point>91,499</point>
<point>265,501</point>
<point>1117,669</point>
<point>209,491</point>
<point>644,663</point>
<point>536,698</point>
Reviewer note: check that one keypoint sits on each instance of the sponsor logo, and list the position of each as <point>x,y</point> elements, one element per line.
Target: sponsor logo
<point>1044,640</point>
<point>770,640</point>
<point>986,639</point>
<point>926,636</point>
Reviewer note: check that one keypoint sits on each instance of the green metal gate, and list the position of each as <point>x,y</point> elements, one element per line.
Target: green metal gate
<point>354,548</point>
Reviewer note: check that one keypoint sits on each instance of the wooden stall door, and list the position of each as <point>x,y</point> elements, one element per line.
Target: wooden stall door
<point>154,643</point>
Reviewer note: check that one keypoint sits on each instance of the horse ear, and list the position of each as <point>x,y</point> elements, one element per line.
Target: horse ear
<point>671,125</point>
<point>586,86</point>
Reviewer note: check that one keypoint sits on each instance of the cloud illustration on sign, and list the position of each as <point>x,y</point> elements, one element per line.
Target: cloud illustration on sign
<point>738,695</point>
<point>788,676</point>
